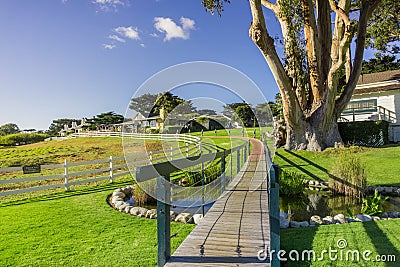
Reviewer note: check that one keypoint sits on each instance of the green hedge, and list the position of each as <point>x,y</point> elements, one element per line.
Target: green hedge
<point>22,139</point>
<point>365,133</point>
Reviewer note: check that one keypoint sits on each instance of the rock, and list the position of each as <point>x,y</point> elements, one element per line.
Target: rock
<point>123,206</point>
<point>118,193</point>
<point>340,218</point>
<point>328,220</point>
<point>118,204</point>
<point>284,223</point>
<point>151,214</point>
<point>173,215</point>
<point>184,218</point>
<point>197,218</point>
<point>364,217</point>
<point>350,220</point>
<point>376,218</point>
<point>116,199</point>
<point>138,211</point>
<point>127,190</point>
<point>304,224</point>
<point>128,208</point>
<point>294,224</point>
<point>312,182</point>
<point>316,220</point>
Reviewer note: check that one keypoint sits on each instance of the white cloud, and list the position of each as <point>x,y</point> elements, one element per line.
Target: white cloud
<point>108,46</point>
<point>155,35</point>
<point>143,45</point>
<point>128,32</point>
<point>107,5</point>
<point>116,38</point>
<point>172,30</point>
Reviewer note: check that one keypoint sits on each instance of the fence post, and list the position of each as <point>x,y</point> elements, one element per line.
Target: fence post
<point>111,170</point>
<point>151,157</point>
<point>245,153</point>
<point>223,171</point>
<point>66,175</point>
<point>238,160</point>
<point>187,149</point>
<point>163,220</point>
<point>171,153</point>
<point>231,165</point>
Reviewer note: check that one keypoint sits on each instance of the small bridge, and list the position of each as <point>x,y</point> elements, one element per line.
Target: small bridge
<point>242,226</point>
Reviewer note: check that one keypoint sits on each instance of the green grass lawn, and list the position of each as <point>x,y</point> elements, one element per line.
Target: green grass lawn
<point>382,165</point>
<point>73,229</point>
<point>380,237</point>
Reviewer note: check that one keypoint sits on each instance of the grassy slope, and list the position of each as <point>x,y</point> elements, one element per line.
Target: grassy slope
<point>380,237</point>
<point>80,230</point>
<point>382,165</point>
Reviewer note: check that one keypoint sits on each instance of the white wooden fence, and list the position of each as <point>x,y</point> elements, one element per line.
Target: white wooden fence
<point>68,173</point>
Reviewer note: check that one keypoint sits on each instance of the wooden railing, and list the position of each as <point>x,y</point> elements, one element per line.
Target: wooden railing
<point>382,112</point>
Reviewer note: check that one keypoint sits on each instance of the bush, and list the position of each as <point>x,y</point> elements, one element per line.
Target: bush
<point>22,139</point>
<point>291,183</point>
<point>348,176</point>
<point>373,205</point>
<point>365,133</point>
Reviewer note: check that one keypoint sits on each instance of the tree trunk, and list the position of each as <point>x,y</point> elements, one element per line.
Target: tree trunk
<point>315,133</point>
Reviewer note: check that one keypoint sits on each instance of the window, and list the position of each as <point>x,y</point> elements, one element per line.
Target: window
<point>361,106</point>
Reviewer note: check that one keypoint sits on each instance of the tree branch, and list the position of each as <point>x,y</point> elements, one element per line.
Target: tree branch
<point>366,12</point>
<point>342,13</point>
<point>259,34</point>
<point>271,6</point>
<point>313,51</point>
<point>325,36</point>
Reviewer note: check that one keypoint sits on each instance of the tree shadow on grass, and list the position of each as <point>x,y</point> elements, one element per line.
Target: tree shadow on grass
<point>381,242</point>
<point>298,166</point>
<point>66,194</point>
<point>299,239</point>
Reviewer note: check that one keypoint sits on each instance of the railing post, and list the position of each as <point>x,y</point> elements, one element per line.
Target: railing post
<point>231,165</point>
<point>274,213</point>
<point>223,171</point>
<point>151,156</point>
<point>111,170</point>
<point>66,175</point>
<point>238,160</point>
<point>245,153</point>
<point>171,152</point>
<point>187,149</point>
<point>163,220</point>
<point>202,188</point>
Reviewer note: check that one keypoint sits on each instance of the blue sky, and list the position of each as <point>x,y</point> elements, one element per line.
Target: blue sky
<point>78,58</point>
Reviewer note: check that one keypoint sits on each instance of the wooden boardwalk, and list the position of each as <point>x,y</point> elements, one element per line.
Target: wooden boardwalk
<point>236,227</point>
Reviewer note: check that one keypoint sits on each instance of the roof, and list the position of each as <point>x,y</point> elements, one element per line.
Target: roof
<point>378,82</point>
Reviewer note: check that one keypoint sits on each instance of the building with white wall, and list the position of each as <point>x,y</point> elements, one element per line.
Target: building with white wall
<point>377,97</point>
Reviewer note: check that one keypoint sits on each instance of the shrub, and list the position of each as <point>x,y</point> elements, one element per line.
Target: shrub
<point>373,205</point>
<point>141,197</point>
<point>291,183</point>
<point>348,176</point>
<point>366,133</point>
<point>22,139</point>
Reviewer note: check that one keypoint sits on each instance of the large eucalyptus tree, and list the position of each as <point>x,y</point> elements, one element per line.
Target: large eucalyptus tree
<point>317,37</point>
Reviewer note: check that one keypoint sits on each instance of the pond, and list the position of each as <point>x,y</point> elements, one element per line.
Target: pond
<point>302,208</point>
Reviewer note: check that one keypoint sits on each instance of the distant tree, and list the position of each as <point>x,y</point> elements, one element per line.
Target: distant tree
<point>207,112</point>
<point>57,125</point>
<point>263,114</point>
<point>9,128</point>
<point>276,107</point>
<point>143,103</point>
<point>241,111</point>
<point>184,108</point>
<point>106,118</point>
<point>381,62</point>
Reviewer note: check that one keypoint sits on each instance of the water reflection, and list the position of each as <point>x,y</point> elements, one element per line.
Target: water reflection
<point>301,208</point>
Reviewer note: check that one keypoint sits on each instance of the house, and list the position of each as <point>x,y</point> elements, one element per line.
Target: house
<point>144,120</point>
<point>377,97</point>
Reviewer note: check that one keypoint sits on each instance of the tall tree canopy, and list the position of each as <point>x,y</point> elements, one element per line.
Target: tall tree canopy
<point>316,49</point>
<point>9,128</point>
<point>150,103</point>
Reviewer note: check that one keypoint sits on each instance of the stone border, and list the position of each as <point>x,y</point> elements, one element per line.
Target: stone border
<point>121,200</point>
<point>316,220</point>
